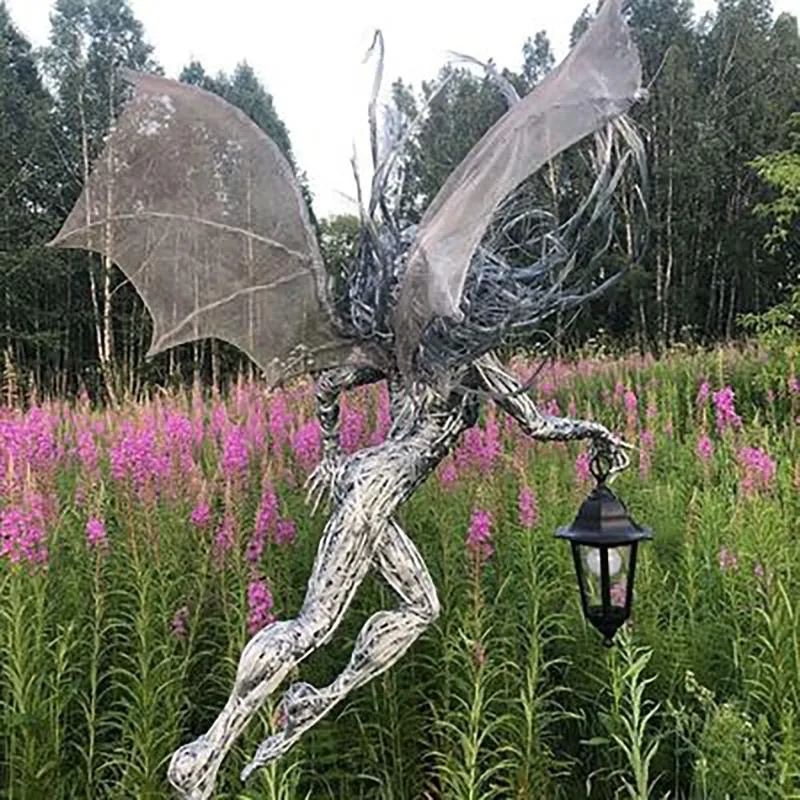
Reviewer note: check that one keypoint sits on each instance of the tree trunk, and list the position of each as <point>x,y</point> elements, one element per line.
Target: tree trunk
<point>108,318</point>
<point>665,315</point>
<point>98,319</point>
<point>65,353</point>
<point>642,325</point>
<point>731,311</point>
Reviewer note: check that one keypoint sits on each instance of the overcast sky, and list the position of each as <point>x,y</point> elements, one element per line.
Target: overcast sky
<point>308,54</point>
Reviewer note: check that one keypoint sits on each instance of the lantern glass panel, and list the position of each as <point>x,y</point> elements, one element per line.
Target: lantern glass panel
<point>599,579</point>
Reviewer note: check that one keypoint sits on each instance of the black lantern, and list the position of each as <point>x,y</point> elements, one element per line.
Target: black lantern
<point>604,542</point>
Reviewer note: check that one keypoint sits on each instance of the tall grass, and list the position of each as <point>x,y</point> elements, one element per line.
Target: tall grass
<point>124,603</point>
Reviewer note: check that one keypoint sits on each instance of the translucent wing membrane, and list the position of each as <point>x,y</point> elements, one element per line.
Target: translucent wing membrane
<point>203,214</point>
<point>597,82</point>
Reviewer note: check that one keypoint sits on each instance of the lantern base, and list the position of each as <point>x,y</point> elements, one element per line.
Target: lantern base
<point>608,622</point>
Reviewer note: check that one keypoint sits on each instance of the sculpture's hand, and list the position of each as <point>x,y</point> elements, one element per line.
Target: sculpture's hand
<point>319,485</point>
<point>611,450</point>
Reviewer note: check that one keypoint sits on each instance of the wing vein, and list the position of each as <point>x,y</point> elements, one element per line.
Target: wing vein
<point>304,257</point>
<point>248,290</point>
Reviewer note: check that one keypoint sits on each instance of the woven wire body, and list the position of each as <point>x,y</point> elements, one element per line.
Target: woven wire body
<point>528,267</point>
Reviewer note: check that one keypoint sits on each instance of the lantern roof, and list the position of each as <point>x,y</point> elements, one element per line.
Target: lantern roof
<point>603,520</point>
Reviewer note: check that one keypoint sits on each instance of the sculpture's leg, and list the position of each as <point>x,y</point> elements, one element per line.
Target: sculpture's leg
<point>382,641</point>
<point>343,559</point>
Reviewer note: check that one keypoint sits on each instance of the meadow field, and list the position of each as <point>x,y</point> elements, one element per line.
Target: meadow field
<point>141,546</point>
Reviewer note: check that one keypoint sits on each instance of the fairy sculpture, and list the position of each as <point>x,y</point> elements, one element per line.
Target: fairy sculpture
<point>204,215</point>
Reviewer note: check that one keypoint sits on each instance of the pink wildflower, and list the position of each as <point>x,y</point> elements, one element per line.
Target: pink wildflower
<point>631,403</point>
<point>259,603</point>
<point>582,465</point>
<point>794,385</point>
<point>285,532</point>
<point>702,394</point>
<point>22,536</point>
<point>758,570</point>
<point>87,452</point>
<point>704,449</point>
<point>255,425</point>
<point>725,411</point>
<point>528,511</point>
<point>758,469</point>
<point>201,513</point>
<point>235,455</point>
<point>307,443</point>
<point>279,420</point>
<point>225,539</point>
<point>448,474</point>
<point>552,409</point>
<point>479,535</point>
<point>353,422</point>
<point>266,517</point>
<point>267,513</point>
<point>491,446</point>
<point>96,533</point>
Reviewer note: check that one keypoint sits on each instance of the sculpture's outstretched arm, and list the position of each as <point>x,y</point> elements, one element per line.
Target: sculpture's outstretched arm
<point>495,378</point>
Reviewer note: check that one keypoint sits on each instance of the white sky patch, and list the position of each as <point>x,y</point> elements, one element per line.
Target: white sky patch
<point>308,55</point>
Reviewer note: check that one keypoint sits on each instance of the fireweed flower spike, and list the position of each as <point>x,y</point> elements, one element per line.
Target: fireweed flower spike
<point>757,469</point>
<point>725,412</point>
<point>285,532</point>
<point>259,604</point>
<point>479,536</point>
<point>201,513</point>
<point>22,536</point>
<point>528,510</point>
<point>225,539</point>
<point>582,466</point>
<point>266,518</point>
<point>704,449</point>
<point>307,445</point>
<point>96,533</point>
<point>448,475</point>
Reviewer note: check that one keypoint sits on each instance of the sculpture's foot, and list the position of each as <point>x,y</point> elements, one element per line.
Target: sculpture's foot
<point>192,770</point>
<point>302,707</point>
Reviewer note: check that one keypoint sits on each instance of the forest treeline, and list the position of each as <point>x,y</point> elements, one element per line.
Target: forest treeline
<point>720,125</point>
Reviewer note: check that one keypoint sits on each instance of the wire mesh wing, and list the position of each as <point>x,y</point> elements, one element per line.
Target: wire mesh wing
<point>203,214</point>
<point>598,81</point>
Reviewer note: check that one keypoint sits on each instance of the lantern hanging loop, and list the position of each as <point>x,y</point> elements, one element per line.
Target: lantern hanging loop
<point>601,466</point>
